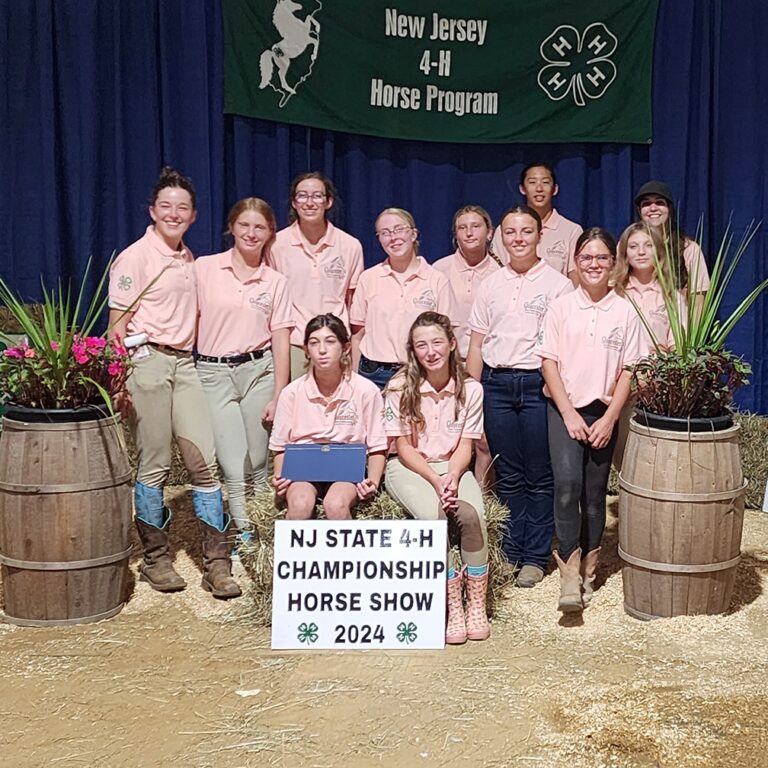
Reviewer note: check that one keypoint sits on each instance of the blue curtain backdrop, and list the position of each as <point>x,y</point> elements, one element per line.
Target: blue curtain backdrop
<point>100,93</point>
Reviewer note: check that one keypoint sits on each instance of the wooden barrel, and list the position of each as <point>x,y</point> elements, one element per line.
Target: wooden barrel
<point>65,512</point>
<point>681,509</point>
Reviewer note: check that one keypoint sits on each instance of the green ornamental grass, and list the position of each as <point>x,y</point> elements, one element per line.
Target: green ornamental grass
<point>698,376</point>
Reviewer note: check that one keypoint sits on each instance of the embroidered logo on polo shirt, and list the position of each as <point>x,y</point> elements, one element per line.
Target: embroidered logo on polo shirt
<point>336,269</point>
<point>556,254</point>
<point>456,425</point>
<point>389,414</point>
<point>263,302</point>
<point>124,283</point>
<point>615,339</point>
<point>426,300</point>
<point>537,305</point>
<point>346,413</point>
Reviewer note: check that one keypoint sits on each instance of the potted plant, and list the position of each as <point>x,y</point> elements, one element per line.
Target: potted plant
<point>681,488</point>
<point>65,503</point>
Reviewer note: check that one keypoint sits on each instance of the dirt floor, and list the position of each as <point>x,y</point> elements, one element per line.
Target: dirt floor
<point>184,680</point>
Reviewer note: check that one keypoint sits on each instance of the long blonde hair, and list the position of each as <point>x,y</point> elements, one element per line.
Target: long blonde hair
<point>409,378</point>
<point>622,269</point>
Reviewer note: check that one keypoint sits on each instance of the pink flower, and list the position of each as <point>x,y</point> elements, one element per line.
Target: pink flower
<point>120,350</point>
<point>78,350</point>
<point>115,368</point>
<point>13,352</point>
<point>30,353</point>
<point>81,358</point>
<point>95,344</point>
<point>55,345</point>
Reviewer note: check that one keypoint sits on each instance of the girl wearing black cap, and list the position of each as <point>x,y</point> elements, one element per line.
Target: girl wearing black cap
<point>654,206</point>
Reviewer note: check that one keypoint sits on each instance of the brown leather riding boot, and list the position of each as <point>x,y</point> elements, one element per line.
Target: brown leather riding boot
<point>157,569</point>
<point>217,565</point>
<point>570,583</point>
<point>588,568</point>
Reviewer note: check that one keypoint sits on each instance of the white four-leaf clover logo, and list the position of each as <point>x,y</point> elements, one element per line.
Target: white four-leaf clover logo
<point>578,63</point>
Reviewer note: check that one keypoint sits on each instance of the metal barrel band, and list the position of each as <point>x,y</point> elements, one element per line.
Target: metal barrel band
<point>94,485</point>
<point>4,617</point>
<point>730,494</point>
<point>652,565</point>
<point>68,565</point>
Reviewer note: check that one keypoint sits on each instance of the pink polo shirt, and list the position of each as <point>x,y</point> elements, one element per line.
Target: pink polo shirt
<point>320,275</point>
<point>354,413</point>
<point>464,280</point>
<point>386,303</point>
<point>694,260</point>
<point>443,428</point>
<point>235,316</point>
<point>650,301</point>
<point>557,245</point>
<point>591,344</point>
<point>162,283</point>
<point>509,310</point>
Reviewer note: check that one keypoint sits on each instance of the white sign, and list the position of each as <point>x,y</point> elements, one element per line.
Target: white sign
<point>359,584</point>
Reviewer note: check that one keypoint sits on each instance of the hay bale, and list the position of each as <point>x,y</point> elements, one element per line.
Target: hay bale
<point>754,455</point>
<point>257,556</point>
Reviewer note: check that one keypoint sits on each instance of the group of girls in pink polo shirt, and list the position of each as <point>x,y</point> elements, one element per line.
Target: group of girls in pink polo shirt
<point>517,352</point>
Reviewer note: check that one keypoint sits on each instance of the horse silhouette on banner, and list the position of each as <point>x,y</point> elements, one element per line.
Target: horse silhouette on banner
<point>298,35</point>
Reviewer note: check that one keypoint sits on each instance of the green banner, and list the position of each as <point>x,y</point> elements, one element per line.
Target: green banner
<point>454,70</point>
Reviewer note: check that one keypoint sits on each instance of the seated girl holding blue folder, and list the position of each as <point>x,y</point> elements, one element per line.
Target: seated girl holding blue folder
<point>329,404</point>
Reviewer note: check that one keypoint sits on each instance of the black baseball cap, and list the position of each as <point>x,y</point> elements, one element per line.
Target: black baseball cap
<point>656,188</point>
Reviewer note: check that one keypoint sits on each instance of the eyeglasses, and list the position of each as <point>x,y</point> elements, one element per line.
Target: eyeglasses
<point>387,234</point>
<point>602,259</point>
<point>315,197</point>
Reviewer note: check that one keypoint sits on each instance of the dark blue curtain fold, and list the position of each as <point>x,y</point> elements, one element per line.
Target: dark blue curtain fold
<point>99,94</point>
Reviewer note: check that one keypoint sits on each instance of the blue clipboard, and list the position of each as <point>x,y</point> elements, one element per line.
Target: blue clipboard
<point>325,462</point>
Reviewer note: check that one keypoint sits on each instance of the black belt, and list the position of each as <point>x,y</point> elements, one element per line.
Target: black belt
<point>502,369</point>
<point>369,366</point>
<point>246,357</point>
<point>170,350</point>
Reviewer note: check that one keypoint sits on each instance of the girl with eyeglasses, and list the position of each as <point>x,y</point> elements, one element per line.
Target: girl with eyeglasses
<point>391,295</point>
<point>322,262</point>
<point>434,412</point>
<point>590,338</point>
<point>506,320</point>
<point>243,349</point>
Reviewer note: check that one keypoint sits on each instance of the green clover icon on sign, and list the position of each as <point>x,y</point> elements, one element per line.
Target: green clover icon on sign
<point>308,633</point>
<point>579,64</point>
<point>406,633</point>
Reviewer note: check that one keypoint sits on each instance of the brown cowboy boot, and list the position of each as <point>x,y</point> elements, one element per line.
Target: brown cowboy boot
<point>570,583</point>
<point>588,568</point>
<point>157,569</point>
<point>217,566</point>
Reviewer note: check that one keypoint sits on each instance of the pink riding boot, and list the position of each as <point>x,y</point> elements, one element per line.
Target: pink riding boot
<point>478,627</point>
<point>456,629</point>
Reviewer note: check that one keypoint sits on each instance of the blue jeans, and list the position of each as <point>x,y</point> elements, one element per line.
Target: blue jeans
<point>515,412</point>
<point>379,374</point>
